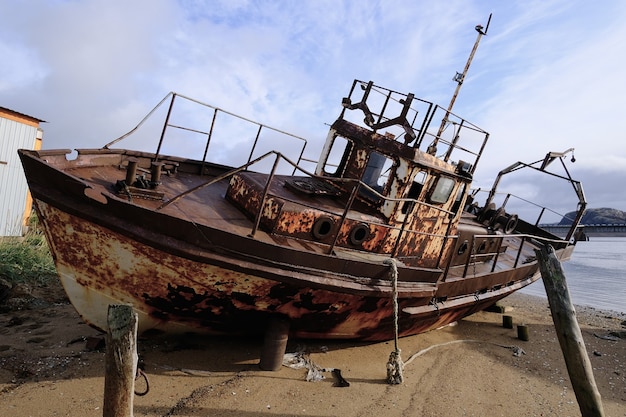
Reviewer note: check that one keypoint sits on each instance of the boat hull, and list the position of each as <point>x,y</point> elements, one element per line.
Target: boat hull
<point>174,294</point>
<point>196,245</point>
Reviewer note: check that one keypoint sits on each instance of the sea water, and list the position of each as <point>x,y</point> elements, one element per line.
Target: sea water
<point>595,274</point>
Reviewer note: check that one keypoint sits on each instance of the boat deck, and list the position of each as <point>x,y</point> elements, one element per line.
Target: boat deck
<point>223,215</point>
<point>220,213</point>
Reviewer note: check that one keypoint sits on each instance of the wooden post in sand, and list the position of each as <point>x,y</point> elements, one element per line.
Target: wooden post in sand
<point>120,362</point>
<point>568,333</point>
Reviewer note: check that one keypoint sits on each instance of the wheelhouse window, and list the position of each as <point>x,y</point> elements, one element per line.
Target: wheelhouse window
<point>337,156</point>
<point>415,190</point>
<point>459,197</point>
<point>441,190</point>
<point>377,171</point>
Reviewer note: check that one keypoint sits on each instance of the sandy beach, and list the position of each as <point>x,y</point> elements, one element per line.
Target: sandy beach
<point>52,364</point>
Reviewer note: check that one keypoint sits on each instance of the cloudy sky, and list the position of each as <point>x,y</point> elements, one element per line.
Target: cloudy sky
<point>548,76</point>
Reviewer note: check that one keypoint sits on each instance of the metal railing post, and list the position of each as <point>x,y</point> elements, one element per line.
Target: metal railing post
<point>257,220</point>
<point>208,141</point>
<point>355,190</point>
<point>167,120</point>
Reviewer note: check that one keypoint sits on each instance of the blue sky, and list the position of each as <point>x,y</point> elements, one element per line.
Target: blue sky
<point>547,77</point>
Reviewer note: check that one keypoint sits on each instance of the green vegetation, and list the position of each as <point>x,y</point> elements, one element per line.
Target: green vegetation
<point>26,259</point>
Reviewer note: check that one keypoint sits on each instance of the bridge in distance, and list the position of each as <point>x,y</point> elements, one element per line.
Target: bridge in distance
<point>590,230</point>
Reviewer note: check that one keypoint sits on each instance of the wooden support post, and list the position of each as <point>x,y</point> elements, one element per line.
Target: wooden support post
<point>522,332</point>
<point>274,344</point>
<point>569,335</point>
<point>120,362</point>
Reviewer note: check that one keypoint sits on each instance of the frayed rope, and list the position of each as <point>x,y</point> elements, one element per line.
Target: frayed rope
<point>394,364</point>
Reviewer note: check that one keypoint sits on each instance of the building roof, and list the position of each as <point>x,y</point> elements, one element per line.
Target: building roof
<point>20,115</point>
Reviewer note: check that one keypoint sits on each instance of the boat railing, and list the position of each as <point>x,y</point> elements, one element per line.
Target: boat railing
<point>475,257</point>
<point>541,209</point>
<point>181,109</point>
<point>399,232</point>
<point>345,210</point>
<point>525,240</point>
<point>413,120</point>
<point>456,139</point>
<point>275,158</point>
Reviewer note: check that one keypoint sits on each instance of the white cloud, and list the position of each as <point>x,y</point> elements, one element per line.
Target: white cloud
<point>21,67</point>
<point>546,77</point>
<point>565,95</point>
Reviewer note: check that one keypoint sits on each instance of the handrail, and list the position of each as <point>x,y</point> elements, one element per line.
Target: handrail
<point>414,129</point>
<point>141,122</point>
<point>357,184</point>
<point>523,239</point>
<point>214,180</point>
<point>270,177</point>
<point>348,206</point>
<point>543,208</point>
<point>216,109</point>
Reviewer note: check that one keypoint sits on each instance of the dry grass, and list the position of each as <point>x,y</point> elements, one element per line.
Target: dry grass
<point>26,259</point>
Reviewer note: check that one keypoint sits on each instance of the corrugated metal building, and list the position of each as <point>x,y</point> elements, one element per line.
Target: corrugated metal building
<point>17,131</point>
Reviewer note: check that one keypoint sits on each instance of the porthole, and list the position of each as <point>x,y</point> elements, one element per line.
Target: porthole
<point>511,224</point>
<point>322,227</point>
<point>482,247</point>
<point>359,234</point>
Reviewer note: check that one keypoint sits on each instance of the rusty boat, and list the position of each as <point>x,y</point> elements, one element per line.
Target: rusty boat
<point>381,236</point>
<point>386,214</point>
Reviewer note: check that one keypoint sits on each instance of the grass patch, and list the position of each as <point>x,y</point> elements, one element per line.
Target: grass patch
<point>27,259</point>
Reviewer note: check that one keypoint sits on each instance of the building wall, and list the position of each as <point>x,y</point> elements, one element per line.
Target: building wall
<point>16,131</point>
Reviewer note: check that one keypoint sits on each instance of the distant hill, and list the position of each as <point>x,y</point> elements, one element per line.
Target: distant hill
<point>597,216</point>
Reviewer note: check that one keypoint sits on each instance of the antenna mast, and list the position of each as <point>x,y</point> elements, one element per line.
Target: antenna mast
<point>459,78</point>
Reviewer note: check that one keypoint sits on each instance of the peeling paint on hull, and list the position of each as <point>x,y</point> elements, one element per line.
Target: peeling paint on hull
<point>210,299</point>
<point>199,246</point>
<point>204,298</point>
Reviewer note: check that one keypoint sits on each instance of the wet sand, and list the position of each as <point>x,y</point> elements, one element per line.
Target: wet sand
<point>51,365</point>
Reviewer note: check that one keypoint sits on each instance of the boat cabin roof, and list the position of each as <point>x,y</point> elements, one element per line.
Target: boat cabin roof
<point>383,150</point>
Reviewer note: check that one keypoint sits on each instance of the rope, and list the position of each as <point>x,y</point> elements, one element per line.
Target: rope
<point>394,364</point>
<point>142,374</point>
<point>517,351</point>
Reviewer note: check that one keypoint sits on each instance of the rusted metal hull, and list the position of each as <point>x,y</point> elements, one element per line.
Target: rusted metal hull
<point>194,245</point>
<point>176,289</point>
<point>98,267</point>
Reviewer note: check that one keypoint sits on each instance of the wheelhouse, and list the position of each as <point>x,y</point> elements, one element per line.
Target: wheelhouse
<point>374,189</point>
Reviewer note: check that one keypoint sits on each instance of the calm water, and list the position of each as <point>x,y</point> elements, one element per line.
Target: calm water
<point>596,274</point>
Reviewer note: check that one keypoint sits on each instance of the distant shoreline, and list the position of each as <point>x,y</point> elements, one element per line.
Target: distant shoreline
<point>540,295</point>
<point>579,307</point>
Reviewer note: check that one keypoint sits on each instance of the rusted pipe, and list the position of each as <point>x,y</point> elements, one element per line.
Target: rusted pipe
<point>155,173</point>
<point>274,344</point>
<point>131,171</point>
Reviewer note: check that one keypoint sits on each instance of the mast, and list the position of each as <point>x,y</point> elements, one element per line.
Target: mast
<point>459,78</point>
